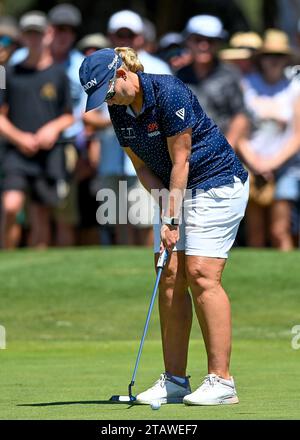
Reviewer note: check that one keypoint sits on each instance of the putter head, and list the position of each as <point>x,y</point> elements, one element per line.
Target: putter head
<point>121,399</point>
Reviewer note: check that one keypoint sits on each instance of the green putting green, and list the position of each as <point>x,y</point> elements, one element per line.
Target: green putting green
<point>74,319</point>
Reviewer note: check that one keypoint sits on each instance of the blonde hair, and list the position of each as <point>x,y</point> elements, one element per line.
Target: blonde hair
<point>130,59</point>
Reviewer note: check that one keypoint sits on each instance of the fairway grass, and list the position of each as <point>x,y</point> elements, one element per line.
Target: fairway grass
<point>69,380</point>
<point>74,319</point>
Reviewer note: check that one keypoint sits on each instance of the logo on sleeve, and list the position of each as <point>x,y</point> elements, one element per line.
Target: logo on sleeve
<point>181,113</point>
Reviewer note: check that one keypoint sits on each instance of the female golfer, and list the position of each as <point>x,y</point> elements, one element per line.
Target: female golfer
<point>174,145</point>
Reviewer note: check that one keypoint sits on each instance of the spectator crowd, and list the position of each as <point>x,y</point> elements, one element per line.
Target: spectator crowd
<point>54,157</point>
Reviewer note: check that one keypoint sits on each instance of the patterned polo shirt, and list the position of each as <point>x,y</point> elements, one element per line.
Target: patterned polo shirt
<point>169,108</point>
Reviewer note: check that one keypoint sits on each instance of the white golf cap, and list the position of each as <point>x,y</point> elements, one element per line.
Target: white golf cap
<point>205,25</point>
<point>125,19</point>
<point>33,21</point>
<point>169,39</point>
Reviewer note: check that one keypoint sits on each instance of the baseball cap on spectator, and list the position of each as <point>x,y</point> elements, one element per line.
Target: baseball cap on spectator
<point>207,26</point>
<point>149,30</point>
<point>9,27</point>
<point>276,42</point>
<point>95,41</point>
<point>65,14</point>
<point>170,39</point>
<point>125,19</point>
<point>95,73</point>
<point>33,21</point>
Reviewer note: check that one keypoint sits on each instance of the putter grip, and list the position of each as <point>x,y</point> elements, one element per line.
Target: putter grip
<point>162,259</point>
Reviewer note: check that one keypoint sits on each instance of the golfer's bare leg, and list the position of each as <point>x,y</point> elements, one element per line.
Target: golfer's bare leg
<point>213,310</point>
<point>175,309</point>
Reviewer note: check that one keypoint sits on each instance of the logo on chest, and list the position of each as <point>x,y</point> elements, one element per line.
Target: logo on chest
<point>152,129</point>
<point>48,91</point>
<point>128,133</point>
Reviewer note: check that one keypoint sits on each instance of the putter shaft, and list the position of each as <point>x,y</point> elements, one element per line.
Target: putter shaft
<point>160,265</point>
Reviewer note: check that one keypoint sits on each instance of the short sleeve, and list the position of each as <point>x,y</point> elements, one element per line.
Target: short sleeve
<point>235,97</point>
<point>176,109</point>
<point>3,97</point>
<point>4,82</point>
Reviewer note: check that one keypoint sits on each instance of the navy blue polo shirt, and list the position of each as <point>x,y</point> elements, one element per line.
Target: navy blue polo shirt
<point>169,108</point>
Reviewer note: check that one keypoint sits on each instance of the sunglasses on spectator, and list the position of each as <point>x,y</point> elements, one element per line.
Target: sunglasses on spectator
<point>277,56</point>
<point>64,28</point>
<point>200,38</point>
<point>125,33</point>
<point>5,41</point>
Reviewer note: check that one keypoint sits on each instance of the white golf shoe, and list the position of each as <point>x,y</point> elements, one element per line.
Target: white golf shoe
<point>165,390</point>
<point>214,391</point>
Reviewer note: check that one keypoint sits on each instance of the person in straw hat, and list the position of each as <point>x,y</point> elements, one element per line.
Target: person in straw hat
<point>243,46</point>
<point>272,150</point>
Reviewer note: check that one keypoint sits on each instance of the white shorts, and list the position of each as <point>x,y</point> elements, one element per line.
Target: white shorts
<point>210,221</point>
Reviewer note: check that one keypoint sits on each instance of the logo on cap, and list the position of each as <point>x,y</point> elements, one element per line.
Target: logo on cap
<point>93,82</point>
<point>113,63</point>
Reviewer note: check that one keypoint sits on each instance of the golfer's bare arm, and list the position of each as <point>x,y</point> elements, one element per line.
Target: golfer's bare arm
<point>147,178</point>
<point>179,147</point>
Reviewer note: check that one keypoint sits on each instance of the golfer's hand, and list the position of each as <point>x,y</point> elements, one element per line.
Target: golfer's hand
<point>169,236</point>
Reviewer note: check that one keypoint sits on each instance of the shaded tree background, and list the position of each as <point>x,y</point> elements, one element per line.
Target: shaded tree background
<point>166,14</point>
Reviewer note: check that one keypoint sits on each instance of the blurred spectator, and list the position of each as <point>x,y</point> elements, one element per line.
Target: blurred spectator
<point>297,47</point>
<point>111,164</point>
<point>288,15</point>
<point>126,29</point>
<point>65,20</point>
<point>232,13</point>
<point>89,155</point>
<point>92,42</point>
<point>171,49</point>
<point>9,38</point>
<point>150,44</point>
<point>215,83</point>
<point>35,109</point>
<point>272,150</point>
<point>243,46</point>
<point>110,173</point>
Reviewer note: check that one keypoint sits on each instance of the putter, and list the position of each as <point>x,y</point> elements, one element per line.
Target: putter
<point>160,265</point>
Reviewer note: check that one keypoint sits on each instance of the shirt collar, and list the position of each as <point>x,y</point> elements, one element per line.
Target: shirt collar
<point>148,94</point>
